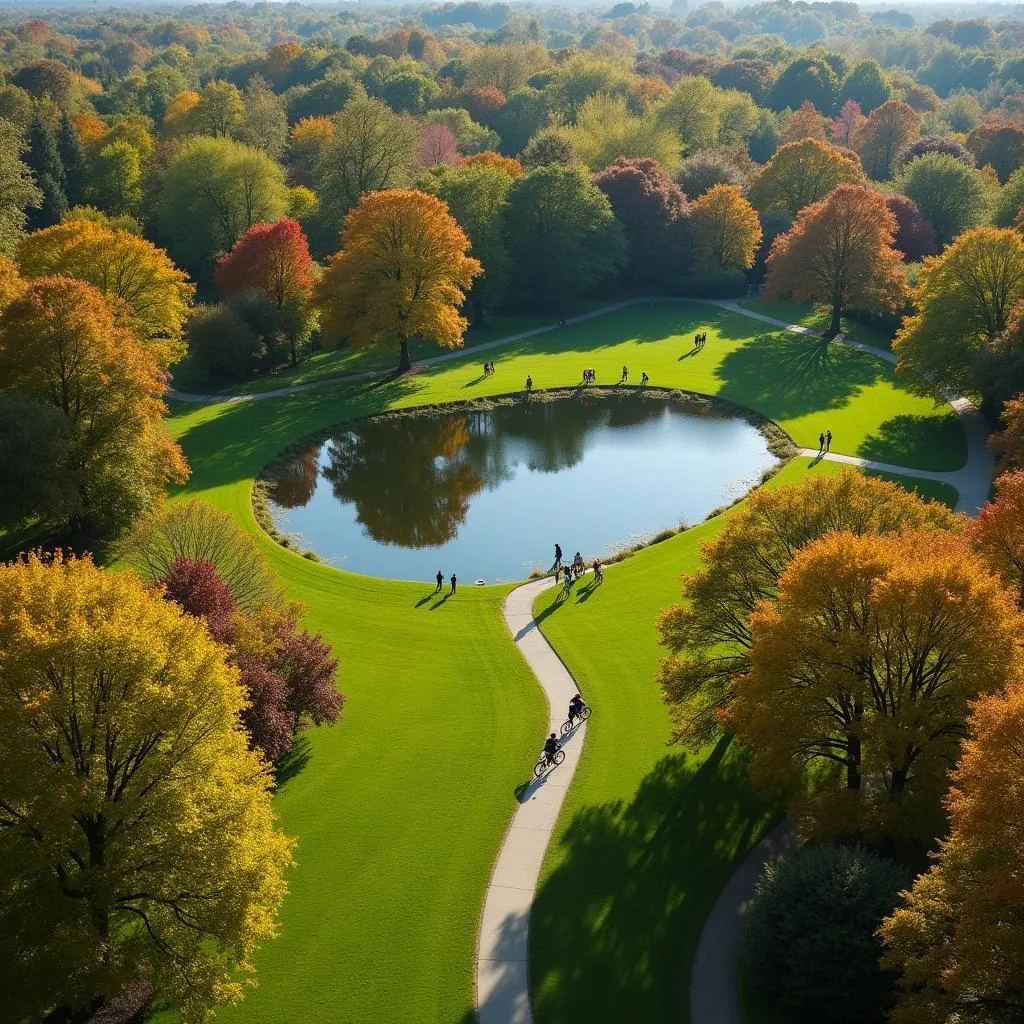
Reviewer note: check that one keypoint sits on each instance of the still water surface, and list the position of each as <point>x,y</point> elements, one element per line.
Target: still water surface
<point>487,494</point>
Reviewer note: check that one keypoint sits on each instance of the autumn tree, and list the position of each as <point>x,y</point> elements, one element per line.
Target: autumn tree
<point>374,148</point>
<point>214,190</point>
<point>1000,146</point>
<point>1008,443</point>
<point>308,142</point>
<point>726,229</point>
<point>654,215</point>
<point>963,302</point>
<point>951,196</point>
<point>584,244</point>
<point>178,113</point>
<point>997,534</point>
<point>915,237</point>
<point>867,661</point>
<point>273,259</point>
<point>802,173</point>
<point>708,168</point>
<point>123,266</point>
<point>18,191</point>
<point>477,194</point>
<point>264,122</point>
<point>156,859</point>
<point>219,111</point>
<point>116,178</point>
<point>708,636</point>
<point>805,123</point>
<point>402,273</point>
<point>840,253</point>
<point>957,938</point>
<point>200,532</point>
<point>60,345</point>
<point>886,132</point>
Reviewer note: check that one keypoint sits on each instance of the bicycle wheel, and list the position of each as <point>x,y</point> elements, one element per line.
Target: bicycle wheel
<point>559,757</point>
<point>585,713</point>
<point>540,767</point>
<point>566,727</point>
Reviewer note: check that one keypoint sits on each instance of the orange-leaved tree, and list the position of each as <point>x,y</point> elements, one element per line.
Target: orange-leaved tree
<point>1008,444</point>
<point>708,635</point>
<point>883,134</point>
<point>123,266</point>
<point>804,172</point>
<point>273,259</point>
<point>867,662</point>
<point>726,228</point>
<point>402,273</point>
<point>997,534</point>
<point>959,937</point>
<point>60,345</point>
<point>840,253</point>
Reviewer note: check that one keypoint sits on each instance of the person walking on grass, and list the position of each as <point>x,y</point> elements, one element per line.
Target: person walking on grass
<point>821,443</point>
<point>440,582</point>
<point>644,379</point>
<point>828,440</point>
<point>454,581</point>
<point>529,384</point>
<point>558,556</point>
<point>625,375</point>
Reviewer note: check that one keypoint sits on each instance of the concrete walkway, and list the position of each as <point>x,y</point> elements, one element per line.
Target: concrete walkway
<point>715,986</point>
<point>502,985</point>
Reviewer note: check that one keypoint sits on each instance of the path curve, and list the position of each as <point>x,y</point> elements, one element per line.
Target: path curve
<point>502,988</point>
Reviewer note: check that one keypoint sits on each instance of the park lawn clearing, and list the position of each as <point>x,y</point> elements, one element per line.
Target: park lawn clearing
<point>400,809</point>
<point>819,318</point>
<point>649,834</point>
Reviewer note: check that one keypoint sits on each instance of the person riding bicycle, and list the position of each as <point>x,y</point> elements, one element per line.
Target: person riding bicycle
<point>551,747</point>
<point>576,706</point>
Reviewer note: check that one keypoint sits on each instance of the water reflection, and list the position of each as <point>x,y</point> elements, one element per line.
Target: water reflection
<point>488,492</point>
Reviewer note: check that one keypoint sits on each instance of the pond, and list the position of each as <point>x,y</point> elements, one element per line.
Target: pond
<point>487,493</point>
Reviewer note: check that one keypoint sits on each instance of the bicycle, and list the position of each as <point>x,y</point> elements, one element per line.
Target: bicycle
<point>545,763</point>
<point>567,725</point>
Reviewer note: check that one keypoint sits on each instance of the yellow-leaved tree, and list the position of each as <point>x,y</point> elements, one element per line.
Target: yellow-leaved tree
<point>866,663</point>
<point>123,266</point>
<point>137,839</point>
<point>402,273</point>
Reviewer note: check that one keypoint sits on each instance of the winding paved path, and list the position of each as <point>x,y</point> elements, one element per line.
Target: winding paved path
<point>502,987</point>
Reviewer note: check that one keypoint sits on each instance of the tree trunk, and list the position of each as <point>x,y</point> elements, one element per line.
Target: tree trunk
<point>404,362</point>
<point>837,309</point>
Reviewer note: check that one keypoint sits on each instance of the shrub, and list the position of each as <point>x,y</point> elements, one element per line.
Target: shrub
<point>811,939</point>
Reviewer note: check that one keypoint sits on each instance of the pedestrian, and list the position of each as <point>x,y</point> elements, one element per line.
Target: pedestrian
<point>440,582</point>
<point>529,383</point>
<point>625,375</point>
<point>821,443</point>
<point>454,581</point>
<point>558,556</point>
<point>828,440</point>
<point>644,379</point>
<point>696,341</point>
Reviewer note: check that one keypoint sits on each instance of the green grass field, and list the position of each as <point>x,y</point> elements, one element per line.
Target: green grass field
<point>400,809</point>
<point>819,318</point>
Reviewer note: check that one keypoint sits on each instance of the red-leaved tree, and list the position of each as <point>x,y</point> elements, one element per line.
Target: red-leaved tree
<point>438,145</point>
<point>196,587</point>
<point>272,259</point>
<point>915,237</point>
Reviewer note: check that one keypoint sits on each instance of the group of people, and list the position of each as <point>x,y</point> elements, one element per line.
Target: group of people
<point>440,582</point>
<point>590,376</point>
<point>488,368</point>
<point>699,339</point>
<point>576,568</point>
<point>825,442</point>
<point>551,744</point>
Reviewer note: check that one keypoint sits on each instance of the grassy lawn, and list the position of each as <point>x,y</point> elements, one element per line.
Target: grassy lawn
<point>340,361</point>
<point>819,318</point>
<point>399,810</point>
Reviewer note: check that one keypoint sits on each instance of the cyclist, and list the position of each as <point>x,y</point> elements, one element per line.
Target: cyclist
<point>551,748</point>
<point>575,707</point>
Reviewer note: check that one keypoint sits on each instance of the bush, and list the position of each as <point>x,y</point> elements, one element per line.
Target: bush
<point>811,939</point>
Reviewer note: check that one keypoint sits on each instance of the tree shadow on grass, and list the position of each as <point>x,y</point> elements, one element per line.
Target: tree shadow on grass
<point>615,926</point>
<point>293,762</point>
<point>787,375</point>
<point>918,442</point>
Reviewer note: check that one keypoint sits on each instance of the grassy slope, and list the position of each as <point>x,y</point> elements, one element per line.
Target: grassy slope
<point>819,318</point>
<point>648,835</point>
<point>397,837</point>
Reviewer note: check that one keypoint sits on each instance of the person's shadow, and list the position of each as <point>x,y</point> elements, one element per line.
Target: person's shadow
<point>474,382</point>
<point>437,604</point>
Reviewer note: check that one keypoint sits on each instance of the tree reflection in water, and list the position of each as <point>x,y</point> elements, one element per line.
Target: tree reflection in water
<point>412,478</point>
